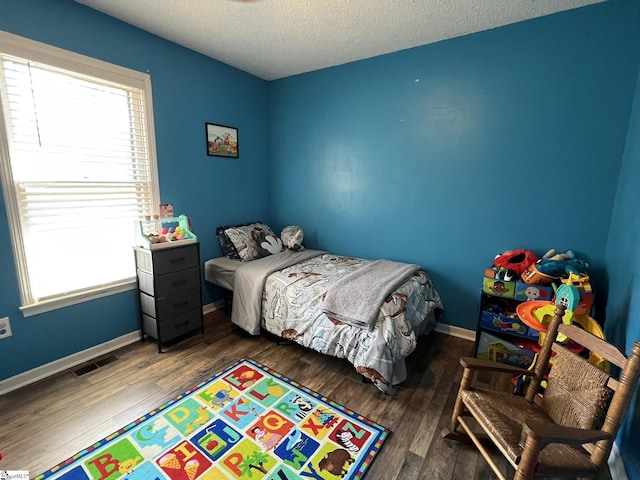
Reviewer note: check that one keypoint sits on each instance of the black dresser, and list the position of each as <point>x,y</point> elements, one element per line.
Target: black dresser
<point>170,292</point>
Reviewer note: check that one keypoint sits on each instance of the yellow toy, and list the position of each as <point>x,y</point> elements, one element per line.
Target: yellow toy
<point>537,315</point>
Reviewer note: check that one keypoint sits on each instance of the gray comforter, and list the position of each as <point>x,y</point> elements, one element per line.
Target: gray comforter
<point>249,283</point>
<point>369,286</point>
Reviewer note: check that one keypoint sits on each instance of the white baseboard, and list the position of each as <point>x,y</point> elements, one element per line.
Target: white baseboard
<point>66,363</point>
<point>212,307</point>
<point>456,331</point>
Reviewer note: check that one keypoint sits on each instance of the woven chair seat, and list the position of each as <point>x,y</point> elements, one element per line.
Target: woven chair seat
<point>572,421</point>
<point>502,416</point>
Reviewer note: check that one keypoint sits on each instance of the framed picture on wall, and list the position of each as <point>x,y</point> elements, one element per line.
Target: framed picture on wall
<point>222,141</point>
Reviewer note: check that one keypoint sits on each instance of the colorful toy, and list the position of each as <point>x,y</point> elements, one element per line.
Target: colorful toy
<point>554,266</point>
<point>533,276</point>
<point>559,268</point>
<point>582,283</point>
<point>158,232</point>
<point>552,255</point>
<point>559,264</point>
<point>514,261</point>
<point>537,315</point>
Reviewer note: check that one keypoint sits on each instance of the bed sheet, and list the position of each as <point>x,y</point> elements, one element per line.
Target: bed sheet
<point>292,308</point>
<point>221,271</point>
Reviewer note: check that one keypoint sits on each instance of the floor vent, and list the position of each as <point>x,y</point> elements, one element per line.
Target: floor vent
<point>94,366</point>
<point>106,361</point>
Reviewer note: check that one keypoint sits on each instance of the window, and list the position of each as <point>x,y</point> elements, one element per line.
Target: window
<point>77,153</point>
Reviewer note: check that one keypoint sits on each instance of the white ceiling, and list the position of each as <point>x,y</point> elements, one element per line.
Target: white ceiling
<point>277,38</point>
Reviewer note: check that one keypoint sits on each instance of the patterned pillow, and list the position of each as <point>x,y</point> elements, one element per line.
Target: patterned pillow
<point>226,245</point>
<point>252,241</point>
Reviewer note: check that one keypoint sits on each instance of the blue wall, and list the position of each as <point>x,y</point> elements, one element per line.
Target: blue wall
<point>623,262</point>
<point>189,89</point>
<point>448,154</point>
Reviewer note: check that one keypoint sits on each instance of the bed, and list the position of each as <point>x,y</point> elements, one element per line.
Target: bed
<point>300,295</point>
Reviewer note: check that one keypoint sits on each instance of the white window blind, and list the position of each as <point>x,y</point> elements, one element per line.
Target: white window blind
<point>79,169</point>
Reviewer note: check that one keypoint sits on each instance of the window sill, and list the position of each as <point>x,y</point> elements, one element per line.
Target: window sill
<point>49,305</point>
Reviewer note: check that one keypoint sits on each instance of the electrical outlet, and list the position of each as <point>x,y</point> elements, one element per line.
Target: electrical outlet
<point>5,327</point>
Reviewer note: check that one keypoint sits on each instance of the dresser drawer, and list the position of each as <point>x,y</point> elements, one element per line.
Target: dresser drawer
<point>167,307</point>
<point>172,327</point>
<point>170,283</point>
<point>167,260</point>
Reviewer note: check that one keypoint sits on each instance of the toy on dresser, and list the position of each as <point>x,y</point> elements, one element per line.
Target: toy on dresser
<point>158,232</point>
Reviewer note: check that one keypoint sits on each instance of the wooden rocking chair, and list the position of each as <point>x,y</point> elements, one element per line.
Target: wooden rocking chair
<point>566,432</point>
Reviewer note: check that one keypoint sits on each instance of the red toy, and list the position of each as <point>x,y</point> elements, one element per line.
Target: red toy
<point>516,260</point>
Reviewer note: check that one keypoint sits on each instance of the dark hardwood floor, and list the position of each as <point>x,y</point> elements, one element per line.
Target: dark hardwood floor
<point>47,422</point>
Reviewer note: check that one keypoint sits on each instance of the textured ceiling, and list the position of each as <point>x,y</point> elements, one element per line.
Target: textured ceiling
<point>278,38</point>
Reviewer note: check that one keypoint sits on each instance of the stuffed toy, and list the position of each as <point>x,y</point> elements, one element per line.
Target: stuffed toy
<point>559,268</point>
<point>265,244</point>
<point>512,263</point>
<point>553,255</point>
<point>292,237</point>
<point>271,244</point>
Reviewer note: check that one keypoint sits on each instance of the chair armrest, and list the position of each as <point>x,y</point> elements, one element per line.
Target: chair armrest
<point>473,363</point>
<point>550,432</point>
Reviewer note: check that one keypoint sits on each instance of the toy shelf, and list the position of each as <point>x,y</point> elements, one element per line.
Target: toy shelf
<point>155,233</point>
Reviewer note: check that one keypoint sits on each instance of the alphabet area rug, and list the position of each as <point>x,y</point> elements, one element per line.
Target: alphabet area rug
<point>246,422</point>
